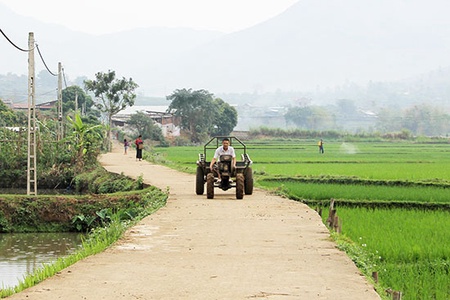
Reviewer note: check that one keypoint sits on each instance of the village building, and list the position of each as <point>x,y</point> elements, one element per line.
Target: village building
<point>169,124</point>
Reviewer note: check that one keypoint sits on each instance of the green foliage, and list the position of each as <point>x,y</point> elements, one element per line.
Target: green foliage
<point>101,218</point>
<point>112,95</point>
<point>226,118</point>
<point>8,117</point>
<point>266,132</point>
<point>74,213</point>
<point>405,246</point>
<point>361,193</point>
<point>310,117</point>
<point>13,159</point>
<point>82,222</point>
<point>85,103</point>
<point>196,110</point>
<point>202,115</point>
<point>5,225</point>
<point>85,139</point>
<point>57,162</point>
<point>145,126</point>
<point>418,119</point>
<point>99,181</point>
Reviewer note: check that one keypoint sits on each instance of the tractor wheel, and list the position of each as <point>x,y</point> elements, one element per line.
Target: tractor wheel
<point>248,181</point>
<point>210,186</point>
<point>239,186</point>
<point>200,182</point>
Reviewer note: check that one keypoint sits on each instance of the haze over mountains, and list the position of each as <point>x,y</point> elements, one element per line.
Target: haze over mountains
<point>314,44</point>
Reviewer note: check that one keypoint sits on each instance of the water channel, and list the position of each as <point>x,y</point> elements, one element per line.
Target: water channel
<point>22,253</point>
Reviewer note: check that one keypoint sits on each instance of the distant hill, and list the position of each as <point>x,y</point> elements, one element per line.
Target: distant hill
<point>133,53</point>
<point>313,45</point>
<point>324,43</point>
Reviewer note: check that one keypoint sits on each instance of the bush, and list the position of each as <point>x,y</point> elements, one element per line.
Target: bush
<point>99,181</point>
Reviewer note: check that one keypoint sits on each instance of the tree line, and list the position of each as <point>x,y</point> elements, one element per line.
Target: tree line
<point>419,120</point>
<point>88,122</point>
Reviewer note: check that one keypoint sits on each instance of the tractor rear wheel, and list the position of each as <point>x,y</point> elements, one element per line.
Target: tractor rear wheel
<point>200,181</point>
<point>210,186</point>
<point>239,186</point>
<point>248,181</point>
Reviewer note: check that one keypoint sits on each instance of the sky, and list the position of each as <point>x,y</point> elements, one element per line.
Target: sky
<point>107,16</point>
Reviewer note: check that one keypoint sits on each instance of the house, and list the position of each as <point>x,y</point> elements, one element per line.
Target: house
<point>41,106</point>
<point>168,123</point>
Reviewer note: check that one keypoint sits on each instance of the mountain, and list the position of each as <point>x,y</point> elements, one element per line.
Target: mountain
<point>313,45</point>
<point>326,43</point>
<point>132,53</point>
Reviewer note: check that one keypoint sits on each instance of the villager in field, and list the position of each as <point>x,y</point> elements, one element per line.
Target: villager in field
<point>320,146</point>
<point>126,144</point>
<point>139,146</point>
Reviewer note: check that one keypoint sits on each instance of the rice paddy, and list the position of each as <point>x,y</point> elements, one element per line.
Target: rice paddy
<point>393,199</point>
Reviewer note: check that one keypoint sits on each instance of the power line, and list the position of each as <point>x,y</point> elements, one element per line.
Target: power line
<point>6,37</point>
<point>36,46</point>
<point>48,92</point>
<point>39,51</point>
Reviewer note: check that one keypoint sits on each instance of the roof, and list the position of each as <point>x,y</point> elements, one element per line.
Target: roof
<point>142,108</point>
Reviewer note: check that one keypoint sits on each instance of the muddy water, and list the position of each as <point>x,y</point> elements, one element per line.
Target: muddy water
<point>22,253</point>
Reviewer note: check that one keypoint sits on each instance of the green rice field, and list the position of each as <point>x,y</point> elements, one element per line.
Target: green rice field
<point>393,200</point>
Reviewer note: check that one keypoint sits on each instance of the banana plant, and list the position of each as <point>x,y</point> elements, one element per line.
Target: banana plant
<point>83,137</point>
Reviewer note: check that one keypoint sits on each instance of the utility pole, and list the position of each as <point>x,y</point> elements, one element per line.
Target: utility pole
<point>76,102</point>
<point>31,164</point>
<point>60,129</point>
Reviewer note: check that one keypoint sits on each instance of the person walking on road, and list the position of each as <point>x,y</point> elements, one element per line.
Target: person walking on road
<point>139,146</point>
<point>126,144</point>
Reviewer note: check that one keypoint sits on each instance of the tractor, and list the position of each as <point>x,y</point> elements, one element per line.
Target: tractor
<point>240,177</point>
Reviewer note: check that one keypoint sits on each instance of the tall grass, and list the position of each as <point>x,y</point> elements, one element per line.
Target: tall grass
<point>409,248</point>
<point>319,191</point>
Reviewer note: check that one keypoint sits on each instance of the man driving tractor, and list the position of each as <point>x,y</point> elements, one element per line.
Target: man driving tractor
<point>224,149</point>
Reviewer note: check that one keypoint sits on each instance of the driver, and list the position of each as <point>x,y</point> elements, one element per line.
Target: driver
<point>224,149</point>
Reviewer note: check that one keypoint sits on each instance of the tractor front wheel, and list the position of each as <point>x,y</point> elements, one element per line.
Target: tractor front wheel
<point>210,186</point>
<point>248,181</point>
<point>239,186</point>
<point>200,181</point>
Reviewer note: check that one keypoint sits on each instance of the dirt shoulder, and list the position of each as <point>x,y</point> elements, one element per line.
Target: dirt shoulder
<point>263,247</point>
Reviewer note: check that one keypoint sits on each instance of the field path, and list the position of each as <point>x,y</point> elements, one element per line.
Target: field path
<point>261,247</point>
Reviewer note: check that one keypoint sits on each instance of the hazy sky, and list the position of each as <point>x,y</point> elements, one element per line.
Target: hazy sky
<point>105,16</point>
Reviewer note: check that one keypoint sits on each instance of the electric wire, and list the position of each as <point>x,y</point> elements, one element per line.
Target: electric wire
<point>48,92</point>
<point>7,38</point>
<point>23,50</point>
<point>39,51</point>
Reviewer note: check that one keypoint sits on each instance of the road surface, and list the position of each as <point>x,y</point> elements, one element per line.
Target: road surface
<point>261,247</point>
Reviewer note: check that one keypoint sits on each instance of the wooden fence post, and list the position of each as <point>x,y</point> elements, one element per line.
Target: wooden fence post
<point>375,276</point>
<point>336,223</point>
<point>331,214</point>
<point>396,295</point>
<point>319,210</point>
